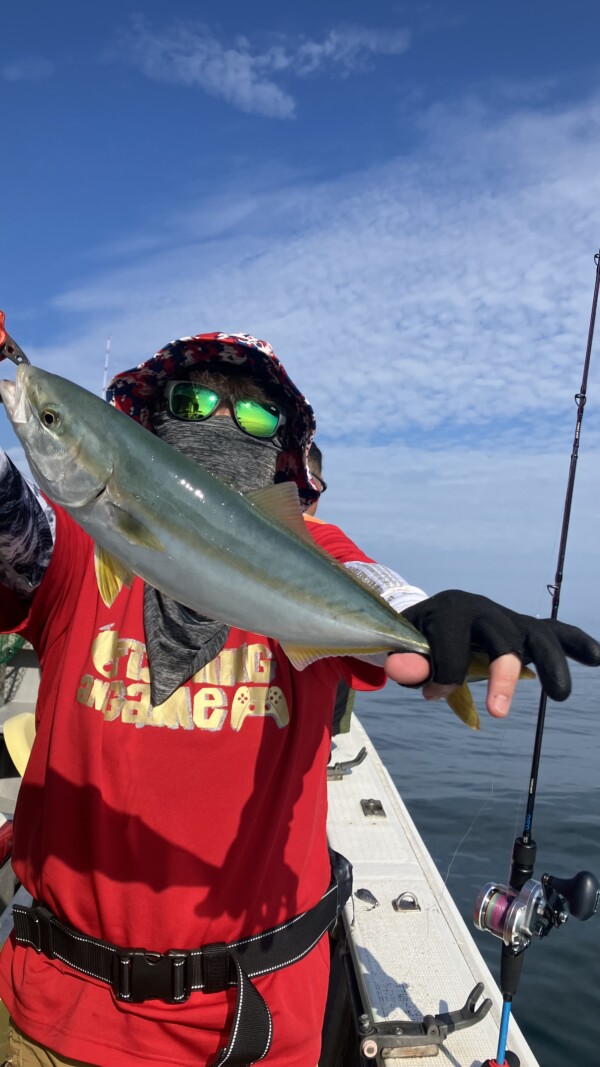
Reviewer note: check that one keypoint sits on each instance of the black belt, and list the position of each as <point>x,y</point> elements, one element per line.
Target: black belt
<point>136,975</point>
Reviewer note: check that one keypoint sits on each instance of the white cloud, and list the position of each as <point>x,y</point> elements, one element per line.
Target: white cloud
<point>244,75</point>
<point>28,68</point>
<point>194,57</point>
<point>461,290</point>
<point>435,310</point>
<point>347,49</point>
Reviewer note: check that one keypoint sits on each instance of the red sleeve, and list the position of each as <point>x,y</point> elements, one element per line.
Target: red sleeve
<point>358,675</point>
<point>363,677</point>
<point>334,541</point>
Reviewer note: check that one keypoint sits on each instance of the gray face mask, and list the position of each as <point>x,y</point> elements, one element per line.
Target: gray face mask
<point>221,448</point>
<point>180,642</point>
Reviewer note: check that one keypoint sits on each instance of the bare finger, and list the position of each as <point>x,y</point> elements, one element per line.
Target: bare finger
<point>504,675</point>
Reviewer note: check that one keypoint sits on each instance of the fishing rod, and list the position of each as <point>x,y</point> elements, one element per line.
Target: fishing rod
<point>527,908</point>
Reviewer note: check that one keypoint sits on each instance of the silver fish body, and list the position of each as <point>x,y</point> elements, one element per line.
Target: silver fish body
<point>245,560</point>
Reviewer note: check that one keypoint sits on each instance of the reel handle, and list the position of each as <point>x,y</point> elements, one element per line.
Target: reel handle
<point>581,892</point>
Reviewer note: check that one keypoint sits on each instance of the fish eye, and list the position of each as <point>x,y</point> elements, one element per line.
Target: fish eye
<point>50,417</point>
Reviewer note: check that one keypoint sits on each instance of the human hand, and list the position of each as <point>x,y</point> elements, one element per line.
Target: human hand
<point>456,624</point>
<point>408,668</point>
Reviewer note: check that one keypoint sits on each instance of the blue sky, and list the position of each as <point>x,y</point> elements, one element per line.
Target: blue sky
<point>402,198</point>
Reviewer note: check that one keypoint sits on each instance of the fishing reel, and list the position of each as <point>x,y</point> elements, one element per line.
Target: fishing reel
<point>516,917</point>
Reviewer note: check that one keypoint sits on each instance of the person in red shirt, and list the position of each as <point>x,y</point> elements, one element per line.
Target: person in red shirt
<point>171,823</point>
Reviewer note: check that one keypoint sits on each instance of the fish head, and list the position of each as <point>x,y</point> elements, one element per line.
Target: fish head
<point>49,419</point>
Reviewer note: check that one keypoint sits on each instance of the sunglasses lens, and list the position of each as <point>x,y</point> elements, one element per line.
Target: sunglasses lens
<point>196,402</point>
<point>189,401</point>
<point>259,420</point>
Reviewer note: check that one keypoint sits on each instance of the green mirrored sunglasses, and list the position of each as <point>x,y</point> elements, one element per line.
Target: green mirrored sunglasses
<point>195,403</point>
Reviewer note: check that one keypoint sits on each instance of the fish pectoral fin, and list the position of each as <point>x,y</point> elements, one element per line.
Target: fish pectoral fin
<point>282,502</point>
<point>133,530</point>
<point>462,704</point>
<point>301,656</point>
<point>111,575</point>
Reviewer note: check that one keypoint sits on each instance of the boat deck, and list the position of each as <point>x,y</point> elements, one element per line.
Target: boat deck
<point>410,961</point>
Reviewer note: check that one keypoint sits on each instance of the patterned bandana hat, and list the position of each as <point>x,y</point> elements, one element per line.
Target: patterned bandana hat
<point>179,641</point>
<point>135,392</point>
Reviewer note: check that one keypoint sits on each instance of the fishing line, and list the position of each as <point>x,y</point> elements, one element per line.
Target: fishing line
<point>437,891</point>
<point>508,727</point>
<point>485,802</point>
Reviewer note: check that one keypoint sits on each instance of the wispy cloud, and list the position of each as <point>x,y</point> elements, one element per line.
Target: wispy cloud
<point>27,69</point>
<point>242,73</point>
<point>345,51</point>
<point>435,311</point>
<point>456,280</point>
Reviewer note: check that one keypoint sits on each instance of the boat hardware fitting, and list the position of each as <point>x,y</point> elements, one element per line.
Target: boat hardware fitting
<point>337,771</point>
<point>373,807</point>
<point>430,1033</point>
<point>406,901</point>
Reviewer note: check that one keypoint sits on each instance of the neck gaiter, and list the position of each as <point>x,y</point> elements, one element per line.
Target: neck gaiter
<point>180,642</point>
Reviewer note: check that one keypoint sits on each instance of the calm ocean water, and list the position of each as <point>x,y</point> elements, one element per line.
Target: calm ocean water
<point>467,794</point>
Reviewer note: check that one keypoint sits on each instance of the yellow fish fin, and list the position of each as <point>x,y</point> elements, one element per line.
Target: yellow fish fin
<point>461,700</point>
<point>111,575</point>
<point>281,502</point>
<point>301,656</point>
<point>479,669</point>
<point>462,704</point>
<point>133,530</point>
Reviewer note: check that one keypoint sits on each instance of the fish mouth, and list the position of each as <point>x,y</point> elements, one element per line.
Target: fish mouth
<point>8,391</point>
<point>15,399</point>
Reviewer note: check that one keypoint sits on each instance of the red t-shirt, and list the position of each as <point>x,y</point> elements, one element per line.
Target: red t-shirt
<point>198,821</point>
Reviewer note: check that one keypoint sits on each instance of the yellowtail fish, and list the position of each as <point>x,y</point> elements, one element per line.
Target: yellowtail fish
<point>244,559</point>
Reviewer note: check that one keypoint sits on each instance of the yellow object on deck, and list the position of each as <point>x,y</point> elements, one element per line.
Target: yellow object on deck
<point>19,735</point>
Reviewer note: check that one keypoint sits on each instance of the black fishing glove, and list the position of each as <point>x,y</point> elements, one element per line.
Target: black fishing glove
<point>456,624</point>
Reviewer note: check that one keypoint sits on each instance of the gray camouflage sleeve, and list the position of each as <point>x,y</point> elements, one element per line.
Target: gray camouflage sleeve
<point>27,531</point>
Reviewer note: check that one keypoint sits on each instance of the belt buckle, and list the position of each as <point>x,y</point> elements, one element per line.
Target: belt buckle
<point>139,975</point>
<point>42,922</point>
